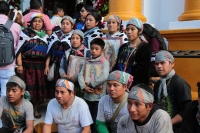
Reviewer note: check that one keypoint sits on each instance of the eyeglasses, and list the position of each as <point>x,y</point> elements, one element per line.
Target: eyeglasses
<point>82,10</point>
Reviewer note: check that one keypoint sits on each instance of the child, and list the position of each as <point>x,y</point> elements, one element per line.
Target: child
<point>77,49</point>
<point>96,49</point>
<point>15,111</point>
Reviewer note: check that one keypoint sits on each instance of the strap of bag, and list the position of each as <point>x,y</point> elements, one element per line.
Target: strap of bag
<point>8,24</point>
<point>126,64</point>
<point>118,109</point>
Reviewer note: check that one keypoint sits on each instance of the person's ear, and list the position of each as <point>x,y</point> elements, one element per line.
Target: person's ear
<point>40,9</point>
<point>150,106</point>
<point>23,91</point>
<point>97,23</point>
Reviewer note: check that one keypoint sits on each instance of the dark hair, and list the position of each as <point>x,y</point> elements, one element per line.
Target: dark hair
<point>35,4</point>
<point>88,8</point>
<point>26,12</point>
<point>12,84</point>
<point>79,6</point>
<point>4,8</point>
<point>98,41</point>
<point>145,87</point>
<point>154,33</point>
<point>97,18</point>
<point>57,9</point>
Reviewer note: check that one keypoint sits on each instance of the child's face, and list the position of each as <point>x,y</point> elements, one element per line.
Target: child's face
<point>95,50</point>
<point>75,41</point>
<point>14,94</point>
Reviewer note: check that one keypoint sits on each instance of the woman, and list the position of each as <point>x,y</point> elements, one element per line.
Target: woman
<point>31,57</point>
<point>156,43</point>
<point>58,44</point>
<point>93,27</point>
<point>77,49</point>
<point>134,56</point>
<point>115,28</point>
<point>82,15</point>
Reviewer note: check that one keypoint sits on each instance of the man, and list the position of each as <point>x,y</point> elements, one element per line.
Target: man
<point>191,116</point>
<point>7,71</point>
<point>58,13</point>
<point>36,7</point>
<point>15,111</point>
<point>172,91</point>
<point>70,113</point>
<point>144,117</point>
<point>117,84</point>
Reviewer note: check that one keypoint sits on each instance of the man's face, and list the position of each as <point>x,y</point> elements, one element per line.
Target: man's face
<point>62,95</point>
<point>115,89</point>
<point>14,94</point>
<point>138,111</point>
<point>163,67</point>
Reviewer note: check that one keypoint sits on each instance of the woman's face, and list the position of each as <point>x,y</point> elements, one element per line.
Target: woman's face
<point>113,26</point>
<point>83,12</point>
<point>90,22</point>
<point>66,26</point>
<point>37,24</point>
<point>132,32</point>
<point>76,41</point>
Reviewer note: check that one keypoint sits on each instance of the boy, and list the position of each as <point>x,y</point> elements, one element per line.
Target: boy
<point>15,111</point>
<point>58,13</point>
<point>144,116</point>
<point>96,49</point>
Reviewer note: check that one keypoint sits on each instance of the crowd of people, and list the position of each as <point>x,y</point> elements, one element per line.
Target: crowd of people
<point>94,99</point>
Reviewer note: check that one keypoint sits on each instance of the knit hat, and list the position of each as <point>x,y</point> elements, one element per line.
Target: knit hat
<point>164,56</point>
<point>65,83</point>
<point>137,23</point>
<point>38,15</point>
<point>80,33</point>
<point>115,17</point>
<point>68,18</point>
<point>122,77</point>
<point>141,95</point>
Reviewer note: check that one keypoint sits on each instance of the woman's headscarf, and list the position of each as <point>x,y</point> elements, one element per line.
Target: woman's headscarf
<point>115,17</point>
<point>138,24</point>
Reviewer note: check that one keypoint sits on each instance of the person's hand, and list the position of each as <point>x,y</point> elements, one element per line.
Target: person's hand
<point>89,90</point>
<point>87,84</point>
<point>46,71</point>
<point>20,69</point>
<point>64,76</point>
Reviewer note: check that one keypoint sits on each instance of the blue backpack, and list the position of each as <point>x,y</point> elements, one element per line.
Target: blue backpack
<point>7,52</point>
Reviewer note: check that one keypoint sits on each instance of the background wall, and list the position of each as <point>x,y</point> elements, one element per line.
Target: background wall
<point>161,12</point>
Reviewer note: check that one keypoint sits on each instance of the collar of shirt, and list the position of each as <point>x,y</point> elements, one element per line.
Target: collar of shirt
<point>3,16</point>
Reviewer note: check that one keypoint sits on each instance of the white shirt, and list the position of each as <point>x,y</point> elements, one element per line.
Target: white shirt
<point>71,120</point>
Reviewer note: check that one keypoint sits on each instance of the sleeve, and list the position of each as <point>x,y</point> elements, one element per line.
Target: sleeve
<point>143,61</point>
<point>81,80</point>
<point>63,65</point>
<point>29,111</point>
<point>85,116</point>
<point>154,44</point>
<point>104,75</point>
<point>47,23</point>
<point>188,123</point>
<point>101,121</point>
<point>49,117</point>
<point>124,38</point>
<point>163,123</point>
<point>120,128</point>
<point>183,95</point>
<point>1,106</point>
<point>101,127</point>
<point>120,49</point>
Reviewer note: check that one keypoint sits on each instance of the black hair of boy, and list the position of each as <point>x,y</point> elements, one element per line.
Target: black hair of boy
<point>35,4</point>
<point>98,41</point>
<point>57,9</point>
<point>4,8</point>
<point>12,84</point>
